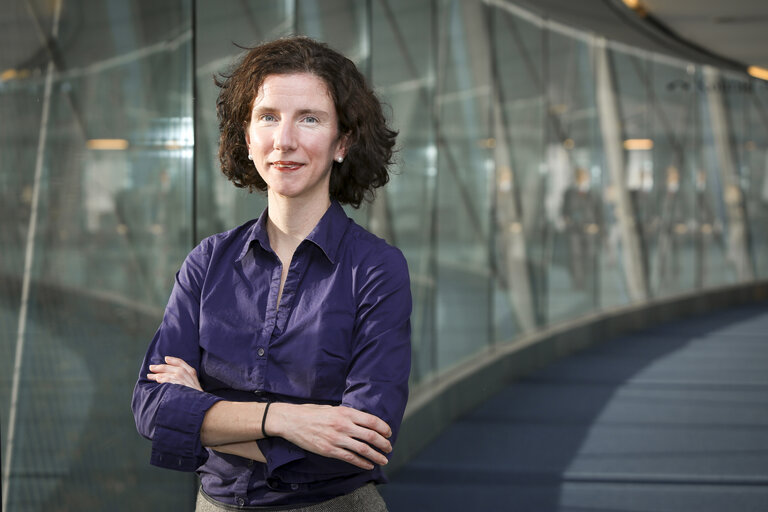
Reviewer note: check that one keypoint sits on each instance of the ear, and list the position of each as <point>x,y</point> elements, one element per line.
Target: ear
<point>247,135</point>
<point>341,150</point>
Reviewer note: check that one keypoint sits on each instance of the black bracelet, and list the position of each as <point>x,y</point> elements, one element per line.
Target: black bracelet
<point>264,420</point>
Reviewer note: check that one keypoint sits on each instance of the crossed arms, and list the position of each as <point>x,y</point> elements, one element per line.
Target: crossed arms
<point>337,432</point>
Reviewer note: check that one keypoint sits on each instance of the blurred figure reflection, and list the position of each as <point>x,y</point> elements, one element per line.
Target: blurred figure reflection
<point>581,213</point>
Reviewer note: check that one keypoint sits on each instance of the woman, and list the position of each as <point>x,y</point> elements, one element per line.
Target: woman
<point>279,372</point>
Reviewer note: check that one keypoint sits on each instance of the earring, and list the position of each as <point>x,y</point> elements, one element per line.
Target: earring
<point>250,157</point>
<point>339,159</point>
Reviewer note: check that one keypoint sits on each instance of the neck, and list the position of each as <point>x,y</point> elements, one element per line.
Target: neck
<point>292,219</point>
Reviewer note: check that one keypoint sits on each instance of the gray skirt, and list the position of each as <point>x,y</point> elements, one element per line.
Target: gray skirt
<point>364,499</point>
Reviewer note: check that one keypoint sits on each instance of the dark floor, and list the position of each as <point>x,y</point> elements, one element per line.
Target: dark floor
<point>672,419</point>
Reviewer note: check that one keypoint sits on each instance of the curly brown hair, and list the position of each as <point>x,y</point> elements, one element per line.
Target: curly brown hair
<point>370,141</point>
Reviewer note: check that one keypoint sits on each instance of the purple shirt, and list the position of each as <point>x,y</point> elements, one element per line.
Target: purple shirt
<point>341,336</point>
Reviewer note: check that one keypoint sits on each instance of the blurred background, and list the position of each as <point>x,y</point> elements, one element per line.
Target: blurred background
<point>545,173</point>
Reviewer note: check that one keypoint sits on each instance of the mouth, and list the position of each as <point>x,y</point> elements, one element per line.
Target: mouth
<point>286,165</point>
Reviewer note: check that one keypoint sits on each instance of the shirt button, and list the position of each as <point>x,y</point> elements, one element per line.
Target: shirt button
<point>260,351</point>
<point>294,487</point>
<point>240,501</point>
<point>250,463</point>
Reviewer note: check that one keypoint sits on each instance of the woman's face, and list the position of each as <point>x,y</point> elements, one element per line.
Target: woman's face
<point>293,136</point>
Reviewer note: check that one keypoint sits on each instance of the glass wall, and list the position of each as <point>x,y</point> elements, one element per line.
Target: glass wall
<point>542,175</point>
<point>95,216</point>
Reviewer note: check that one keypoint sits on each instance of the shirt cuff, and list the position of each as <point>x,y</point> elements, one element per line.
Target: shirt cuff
<point>176,442</point>
<point>290,467</point>
<point>278,453</point>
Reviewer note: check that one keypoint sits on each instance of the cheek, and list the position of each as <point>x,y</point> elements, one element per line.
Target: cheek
<point>321,145</point>
<point>260,139</point>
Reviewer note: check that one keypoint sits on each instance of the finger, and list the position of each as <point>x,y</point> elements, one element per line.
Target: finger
<point>364,451</point>
<point>164,368</point>
<point>371,437</point>
<point>351,458</point>
<point>370,421</point>
<point>165,377</point>
<point>369,453</point>
<point>169,369</point>
<point>182,364</point>
<point>157,377</point>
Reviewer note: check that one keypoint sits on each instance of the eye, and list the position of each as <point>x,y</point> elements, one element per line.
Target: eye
<point>311,120</point>
<point>268,118</point>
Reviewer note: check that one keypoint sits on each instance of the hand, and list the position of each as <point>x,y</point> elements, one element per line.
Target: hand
<point>175,371</point>
<point>339,432</point>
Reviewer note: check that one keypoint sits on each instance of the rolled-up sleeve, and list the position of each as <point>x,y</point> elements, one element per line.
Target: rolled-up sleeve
<point>170,415</point>
<point>377,379</point>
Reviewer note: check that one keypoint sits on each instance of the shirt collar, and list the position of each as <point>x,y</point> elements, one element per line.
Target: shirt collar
<point>326,235</point>
<point>330,230</point>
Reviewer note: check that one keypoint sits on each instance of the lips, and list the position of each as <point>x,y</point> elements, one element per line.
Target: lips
<point>286,165</point>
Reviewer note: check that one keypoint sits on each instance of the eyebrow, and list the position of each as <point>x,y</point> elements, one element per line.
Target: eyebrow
<point>304,111</point>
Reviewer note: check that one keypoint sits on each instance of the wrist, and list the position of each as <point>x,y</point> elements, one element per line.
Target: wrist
<point>264,421</point>
<point>272,423</point>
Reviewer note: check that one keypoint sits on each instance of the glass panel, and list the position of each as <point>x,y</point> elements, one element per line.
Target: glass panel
<point>20,100</point>
<point>739,94</point>
<point>574,197</point>
<point>403,73</point>
<point>465,172</point>
<point>674,266</point>
<point>614,274</point>
<point>519,110</point>
<point>756,174</point>
<point>630,75</point>
<point>112,223</point>
<point>723,133</point>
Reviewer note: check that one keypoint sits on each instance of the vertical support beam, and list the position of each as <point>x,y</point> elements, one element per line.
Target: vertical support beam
<point>610,126</point>
<point>738,234</point>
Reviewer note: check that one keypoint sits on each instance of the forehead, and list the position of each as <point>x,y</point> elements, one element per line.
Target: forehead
<point>306,89</point>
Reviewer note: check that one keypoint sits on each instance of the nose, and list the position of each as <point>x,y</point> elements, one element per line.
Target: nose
<point>284,137</point>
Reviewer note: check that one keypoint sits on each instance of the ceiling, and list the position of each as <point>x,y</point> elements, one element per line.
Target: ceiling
<point>734,29</point>
<point>724,33</point>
